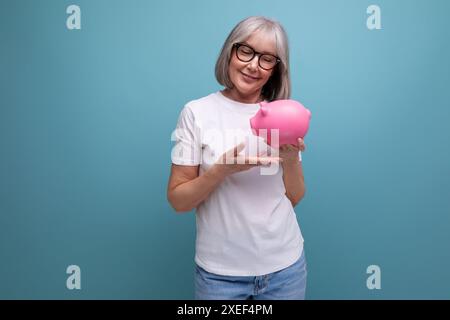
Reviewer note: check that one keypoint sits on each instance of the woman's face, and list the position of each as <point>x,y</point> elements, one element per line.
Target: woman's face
<point>248,78</point>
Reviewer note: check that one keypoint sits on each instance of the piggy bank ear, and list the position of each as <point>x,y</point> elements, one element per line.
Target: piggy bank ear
<point>263,108</point>
<point>263,111</point>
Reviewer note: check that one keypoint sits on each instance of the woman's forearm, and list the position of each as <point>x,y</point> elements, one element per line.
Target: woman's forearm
<point>293,180</point>
<point>189,195</point>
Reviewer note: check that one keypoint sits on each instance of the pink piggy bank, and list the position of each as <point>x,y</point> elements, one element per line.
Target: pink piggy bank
<point>290,117</point>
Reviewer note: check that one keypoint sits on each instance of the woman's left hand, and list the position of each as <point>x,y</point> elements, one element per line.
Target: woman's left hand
<point>290,151</point>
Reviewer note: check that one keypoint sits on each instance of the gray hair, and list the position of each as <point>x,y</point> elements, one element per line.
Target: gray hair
<point>279,84</point>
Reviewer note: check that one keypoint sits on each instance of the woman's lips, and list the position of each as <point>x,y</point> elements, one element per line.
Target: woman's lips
<point>249,78</point>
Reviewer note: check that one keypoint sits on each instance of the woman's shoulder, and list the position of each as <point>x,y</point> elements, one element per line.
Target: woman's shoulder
<point>200,104</point>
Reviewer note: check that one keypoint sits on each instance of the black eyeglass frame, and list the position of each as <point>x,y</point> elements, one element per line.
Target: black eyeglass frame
<point>259,54</point>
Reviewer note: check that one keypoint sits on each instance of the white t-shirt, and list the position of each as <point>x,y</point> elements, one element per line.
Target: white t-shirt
<point>247,226</point>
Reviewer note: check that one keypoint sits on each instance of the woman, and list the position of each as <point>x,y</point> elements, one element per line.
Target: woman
<point>249,244</point>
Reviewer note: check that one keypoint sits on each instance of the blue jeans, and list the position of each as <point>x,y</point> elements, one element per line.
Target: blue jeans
<point>286,284</point>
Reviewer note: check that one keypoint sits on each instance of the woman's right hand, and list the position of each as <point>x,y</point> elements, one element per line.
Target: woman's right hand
<point>231,162</point>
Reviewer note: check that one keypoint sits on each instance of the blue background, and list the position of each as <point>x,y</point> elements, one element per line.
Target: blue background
<point>85,123</point>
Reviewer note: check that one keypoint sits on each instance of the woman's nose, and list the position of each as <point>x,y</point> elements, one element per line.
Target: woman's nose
<point>254,62</point>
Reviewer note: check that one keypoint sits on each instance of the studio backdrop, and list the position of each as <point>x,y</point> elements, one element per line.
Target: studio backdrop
<point>90,95</point>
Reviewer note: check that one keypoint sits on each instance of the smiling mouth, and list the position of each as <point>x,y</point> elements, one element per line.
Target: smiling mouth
<point>249,77</point>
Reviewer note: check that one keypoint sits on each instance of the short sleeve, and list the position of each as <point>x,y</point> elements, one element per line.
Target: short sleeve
<point>187,149</point>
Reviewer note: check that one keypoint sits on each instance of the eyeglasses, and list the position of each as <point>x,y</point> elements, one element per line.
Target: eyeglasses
<point>246,53</point>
